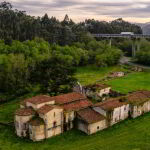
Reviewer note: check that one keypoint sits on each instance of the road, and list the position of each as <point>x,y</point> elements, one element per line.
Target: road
<point>127,60</point>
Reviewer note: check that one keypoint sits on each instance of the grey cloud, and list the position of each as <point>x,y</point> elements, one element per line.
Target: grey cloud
<point>111,9</point>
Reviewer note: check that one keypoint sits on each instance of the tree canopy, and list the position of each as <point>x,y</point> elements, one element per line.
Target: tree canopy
<point>17,25</point>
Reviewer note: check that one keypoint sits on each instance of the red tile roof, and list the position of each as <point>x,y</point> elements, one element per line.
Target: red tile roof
<point>47,108</point>
<point>139,97</point>
<point>111,104</point>
<point>90,116</point>
<point>77,105</point>
<point>25,112</point>
<point>67,98</point>
<point>40,99</point>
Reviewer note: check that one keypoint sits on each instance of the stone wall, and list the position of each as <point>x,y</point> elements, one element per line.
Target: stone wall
<point>92,128</point>
<point>53,122</point>
<point>138,110</point>
<point>21,125</point>
<point>37,133</point>
<point>119,114</point>
<point>105,91</point>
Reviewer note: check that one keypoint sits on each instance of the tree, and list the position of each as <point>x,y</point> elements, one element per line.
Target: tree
<point>5,5</point>
<point>14,74</point>
<point>54,75</point>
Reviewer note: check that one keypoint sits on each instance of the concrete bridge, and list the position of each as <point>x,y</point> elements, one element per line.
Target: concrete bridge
<point>134,37</point>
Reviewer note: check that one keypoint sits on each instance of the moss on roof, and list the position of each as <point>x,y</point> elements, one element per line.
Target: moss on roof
<point>36,121</point>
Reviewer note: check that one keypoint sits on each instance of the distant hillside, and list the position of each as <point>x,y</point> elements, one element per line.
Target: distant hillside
<point>145,27</point>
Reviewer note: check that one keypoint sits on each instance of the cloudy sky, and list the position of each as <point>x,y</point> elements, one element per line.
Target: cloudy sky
<point>78,10</point>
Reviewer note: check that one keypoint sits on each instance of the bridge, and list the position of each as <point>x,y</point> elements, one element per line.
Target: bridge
<point>134,37</point>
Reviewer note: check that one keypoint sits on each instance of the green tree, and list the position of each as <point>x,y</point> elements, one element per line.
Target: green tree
<point>54,75</point>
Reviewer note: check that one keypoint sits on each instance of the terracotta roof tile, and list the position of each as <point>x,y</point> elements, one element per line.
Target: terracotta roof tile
<point>39,99</point>
<point>139,97</point>
<point>111,104</point>
<point>47,108</point>
<point>25,112</point>
<point>67,98</point>
<point>77,105</point>
<point>90,116</point>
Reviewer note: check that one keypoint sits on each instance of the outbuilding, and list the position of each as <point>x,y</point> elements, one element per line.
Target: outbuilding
<point>89,121</point>
<point>115,110</point>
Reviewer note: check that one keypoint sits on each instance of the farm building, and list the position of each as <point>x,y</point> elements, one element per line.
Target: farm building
<point>90,121</point>
<point>115,110</point>
<point>139,103</point>
<point>43,116</point>
<point>97,90</point>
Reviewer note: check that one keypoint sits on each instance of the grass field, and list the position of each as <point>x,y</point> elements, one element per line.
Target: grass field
<point>91,74</point>
<point>127,135</point>
<point>131,82</point>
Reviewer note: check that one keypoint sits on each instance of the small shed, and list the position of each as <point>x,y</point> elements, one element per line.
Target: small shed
<point>115,109</point>
<point>89,121</point>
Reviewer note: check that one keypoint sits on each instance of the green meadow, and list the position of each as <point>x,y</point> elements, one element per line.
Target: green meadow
<point>127,135</point>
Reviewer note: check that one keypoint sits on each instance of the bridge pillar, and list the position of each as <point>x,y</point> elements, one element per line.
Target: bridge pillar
<point>133,49</point>
<point>135,46</point>
<point>138,45</point>
<point>110,42</point>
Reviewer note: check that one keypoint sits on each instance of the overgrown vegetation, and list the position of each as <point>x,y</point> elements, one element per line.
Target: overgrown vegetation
<point>143,56</point>
<point>24,66</point>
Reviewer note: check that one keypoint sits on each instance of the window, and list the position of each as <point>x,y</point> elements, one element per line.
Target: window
<point>98,128</point>
<point>54,124</point>
<point>54,114</point>
<point>124,108</point>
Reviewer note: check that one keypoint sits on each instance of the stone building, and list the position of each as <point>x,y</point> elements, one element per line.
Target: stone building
<point>93,90</point>
<point>22,117</point>
<point>139,103</point>
<point>37,102</point>
<point>71,103</point>
<point>96,90</point>
<point>115,110</point>
<point>37,129</point>
<point>116,74</point>
<point>89,121</point>
<point>42,116</point>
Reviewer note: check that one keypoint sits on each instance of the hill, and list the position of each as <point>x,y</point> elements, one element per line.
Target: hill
<point>145,27</point>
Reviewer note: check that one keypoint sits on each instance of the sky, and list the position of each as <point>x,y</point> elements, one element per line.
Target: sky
<point>79,10</point>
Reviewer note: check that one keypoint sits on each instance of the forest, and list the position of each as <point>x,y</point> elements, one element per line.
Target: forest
<point>17,25</point>
<point>41,54</point>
